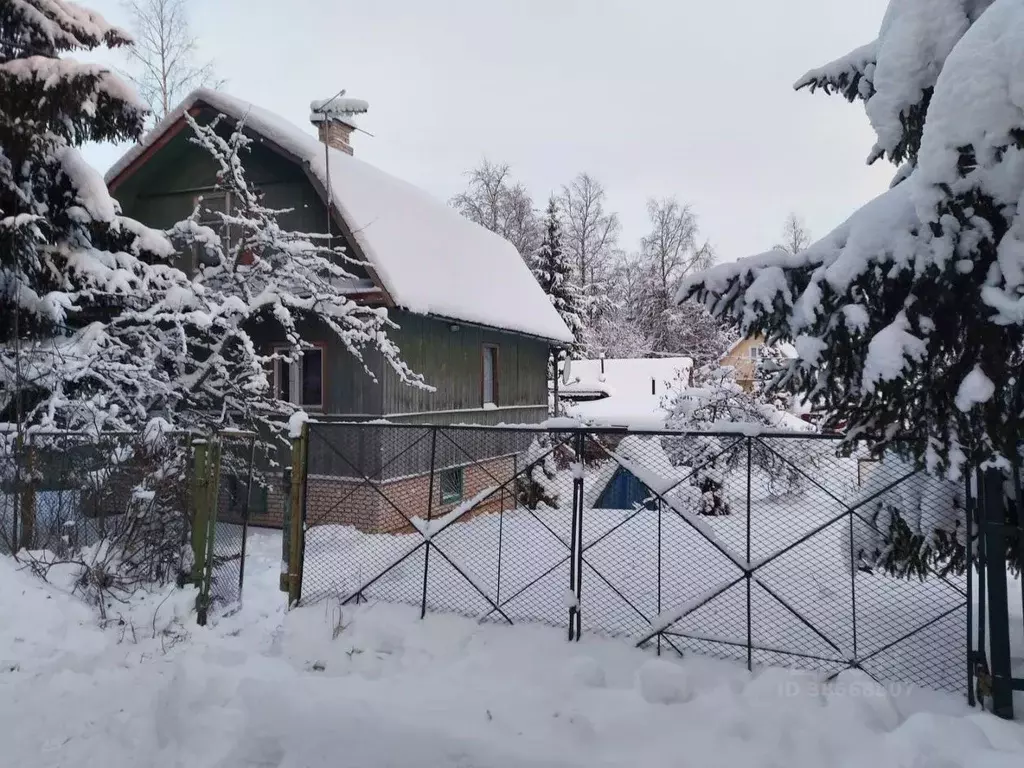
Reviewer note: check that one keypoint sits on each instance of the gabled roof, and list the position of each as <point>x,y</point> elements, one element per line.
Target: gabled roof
<point>429,258</point>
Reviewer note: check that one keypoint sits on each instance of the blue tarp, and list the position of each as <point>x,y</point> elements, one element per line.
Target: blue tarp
<point>624,491</point>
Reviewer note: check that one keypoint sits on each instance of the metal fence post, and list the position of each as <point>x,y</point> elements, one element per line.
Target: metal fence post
<point>993,529</point>
<point>28,500</point>
<point>430,514</point>
<point>212,508</point>
<point>245,515</point>
<point>285,490</point>
<point>982,622</point>
<point>970,557</point>
<point>581,438</point>
<point>747,573</point>
<point>573,541</point>
<point>295,497</point>
<point>659,570</point>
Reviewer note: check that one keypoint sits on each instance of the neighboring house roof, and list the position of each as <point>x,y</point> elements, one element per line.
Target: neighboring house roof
<point>627,377</point>
<point>429,258</point>
<point>786,349</point>
<point>632,411</point>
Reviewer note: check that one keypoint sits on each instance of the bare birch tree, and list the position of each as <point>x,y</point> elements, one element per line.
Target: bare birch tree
<point>591,239</point>
<point>795,236</point>
<point>164,58</point>
<point>496,202</point>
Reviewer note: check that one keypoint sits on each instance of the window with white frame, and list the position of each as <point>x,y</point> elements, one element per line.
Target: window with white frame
<point>489,383</point>
<point>302,381</point>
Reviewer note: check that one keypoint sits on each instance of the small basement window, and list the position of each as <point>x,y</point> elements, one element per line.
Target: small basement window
<point>489,384</point>
<point>450,481</point>
<point>301,382</point>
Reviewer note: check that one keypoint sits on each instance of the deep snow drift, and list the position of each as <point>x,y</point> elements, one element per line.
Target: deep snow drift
<point>374,686</point>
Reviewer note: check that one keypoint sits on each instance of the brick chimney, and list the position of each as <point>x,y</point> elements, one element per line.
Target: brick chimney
<point>335,134</point>
<point>335,120</point>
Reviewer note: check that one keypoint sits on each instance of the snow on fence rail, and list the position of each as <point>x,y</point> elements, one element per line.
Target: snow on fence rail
<point>501,524</point>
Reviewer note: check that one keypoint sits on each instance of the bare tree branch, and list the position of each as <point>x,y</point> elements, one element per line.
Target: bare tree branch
<point>163,63</point>
<point>494,202</point>
<point>795,236</point>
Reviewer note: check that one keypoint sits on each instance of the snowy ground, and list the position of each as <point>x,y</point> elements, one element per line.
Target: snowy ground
<point>375,686</point>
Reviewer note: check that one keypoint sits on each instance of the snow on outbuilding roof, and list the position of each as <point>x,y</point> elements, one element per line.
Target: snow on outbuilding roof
<point>430,259</point>
<point>626,376</point>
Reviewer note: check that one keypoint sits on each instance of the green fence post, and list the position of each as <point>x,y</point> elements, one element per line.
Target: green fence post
<point>199,510</point>
<point>295,509</point>
<point>212,507</point>
<point>286,530</point>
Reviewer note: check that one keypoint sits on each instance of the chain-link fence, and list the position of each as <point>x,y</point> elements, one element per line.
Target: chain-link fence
<point>236,487</point>
<point>64,494</point>
<point>122,508</point>
<point>769,549</point>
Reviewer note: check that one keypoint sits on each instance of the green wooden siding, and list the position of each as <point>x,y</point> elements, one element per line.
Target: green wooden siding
<point>452,362</point>
<point>164,191</point>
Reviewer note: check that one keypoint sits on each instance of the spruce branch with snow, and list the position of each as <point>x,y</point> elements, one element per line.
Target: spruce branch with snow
<point>915,529</point>
<point>90,307</point>
<point>263,281</point>
<point>87,295</point>
<point>908,318</point>
<point>555,275</point>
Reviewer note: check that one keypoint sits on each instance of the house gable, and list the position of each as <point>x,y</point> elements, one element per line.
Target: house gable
<point>427,257</point>
<point>161,188</point>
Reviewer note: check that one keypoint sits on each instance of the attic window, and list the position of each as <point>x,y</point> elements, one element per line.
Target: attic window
<point>211,204</point>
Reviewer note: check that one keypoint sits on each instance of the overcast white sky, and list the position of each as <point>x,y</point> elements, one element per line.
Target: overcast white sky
<point>652,97</point>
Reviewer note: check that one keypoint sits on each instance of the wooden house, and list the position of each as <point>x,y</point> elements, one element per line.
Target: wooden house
<point>472,319</point>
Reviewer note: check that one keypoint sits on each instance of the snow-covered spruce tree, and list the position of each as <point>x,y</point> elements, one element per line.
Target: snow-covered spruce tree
<point>88,304</point>
<point>909,318</point>
<point>554,272</point>
<point>81,285</point>
<point>714,402</point>
<point>268,282</point>
<point>912,529</point>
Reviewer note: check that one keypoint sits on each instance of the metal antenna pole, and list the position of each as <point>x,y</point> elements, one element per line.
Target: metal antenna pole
<point>327,163</point>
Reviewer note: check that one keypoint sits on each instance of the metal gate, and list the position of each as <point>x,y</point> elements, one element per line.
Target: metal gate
<point>753,548</point>
<point>222,488</point>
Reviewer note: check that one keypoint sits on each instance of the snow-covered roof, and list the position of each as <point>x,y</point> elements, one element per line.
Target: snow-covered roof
<point>626,376</point>
<point>635,411</point>
<point>429,258</point>
<point>338,108</point>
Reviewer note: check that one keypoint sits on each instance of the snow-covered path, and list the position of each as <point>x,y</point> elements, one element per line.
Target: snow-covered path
<point>375,686</point>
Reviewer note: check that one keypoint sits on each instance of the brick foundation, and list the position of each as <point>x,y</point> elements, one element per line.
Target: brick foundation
<point>379,508</point>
